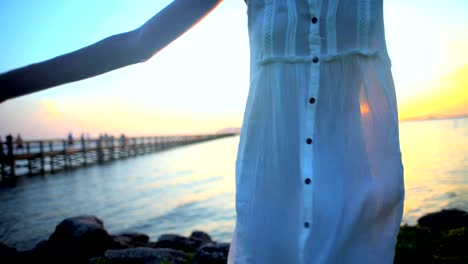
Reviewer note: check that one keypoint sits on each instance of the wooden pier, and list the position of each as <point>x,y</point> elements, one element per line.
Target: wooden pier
<point>49,156</point>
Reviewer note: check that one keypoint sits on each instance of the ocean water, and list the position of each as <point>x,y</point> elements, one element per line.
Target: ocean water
<point>435,159</point>
<point>193,187</point>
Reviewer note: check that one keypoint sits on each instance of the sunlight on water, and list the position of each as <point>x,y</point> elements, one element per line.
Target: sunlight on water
<point>435,157</point>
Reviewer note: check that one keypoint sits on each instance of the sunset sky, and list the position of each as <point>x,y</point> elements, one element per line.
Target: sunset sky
<point>199,83</point>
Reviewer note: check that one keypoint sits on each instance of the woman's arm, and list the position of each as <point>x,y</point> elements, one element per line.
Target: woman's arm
<point>108,54</point>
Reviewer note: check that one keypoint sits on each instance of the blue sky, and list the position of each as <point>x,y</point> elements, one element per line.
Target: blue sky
<point>200,82</point>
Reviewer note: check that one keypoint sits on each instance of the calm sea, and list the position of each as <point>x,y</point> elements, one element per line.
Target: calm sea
<point>192,187</point>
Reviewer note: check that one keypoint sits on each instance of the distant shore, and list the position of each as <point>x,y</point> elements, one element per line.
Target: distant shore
<point>440,237</point>
<point>429,118</point>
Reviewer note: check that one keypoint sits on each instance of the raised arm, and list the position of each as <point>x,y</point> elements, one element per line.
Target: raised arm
<point>108,54</point>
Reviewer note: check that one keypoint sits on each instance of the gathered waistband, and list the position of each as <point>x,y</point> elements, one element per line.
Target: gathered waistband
<point>325,58</point>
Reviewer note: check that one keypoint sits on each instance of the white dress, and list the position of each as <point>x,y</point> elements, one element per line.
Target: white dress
<point>319,176</point>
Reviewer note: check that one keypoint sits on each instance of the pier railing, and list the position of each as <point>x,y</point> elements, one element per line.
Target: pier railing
<point>49,156</point>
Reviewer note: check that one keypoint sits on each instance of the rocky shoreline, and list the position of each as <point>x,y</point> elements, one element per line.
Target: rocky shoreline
<point>440,237</point>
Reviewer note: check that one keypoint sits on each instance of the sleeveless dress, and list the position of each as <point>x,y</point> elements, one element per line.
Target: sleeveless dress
<point>319,175</point>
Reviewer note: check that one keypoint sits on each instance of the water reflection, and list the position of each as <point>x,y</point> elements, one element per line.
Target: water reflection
<point>192,187</point>
<point>173,191</point>
<point>436,166</point>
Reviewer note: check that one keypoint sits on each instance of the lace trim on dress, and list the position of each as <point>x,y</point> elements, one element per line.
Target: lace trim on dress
<point>364,23</point>
<point>268,26</point>
<point>290,45</point>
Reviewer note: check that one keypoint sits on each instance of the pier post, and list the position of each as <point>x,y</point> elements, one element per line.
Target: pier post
<point>122,147</point>
<point>134,147</point>
<point>51,157</point>
<point>65,156</point>
<point>138,144</point>
<point>156,143</point>
<point>99,152</point>
<point>41,156</point>
<point>163,142</point>
<point>10,159</point>
<point>30,160</point>
<point>111,148</point>
<point>28,148</point>
<point>83,150</point>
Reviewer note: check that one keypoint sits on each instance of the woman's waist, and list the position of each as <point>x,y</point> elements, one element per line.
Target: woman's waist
<point>321,57</point>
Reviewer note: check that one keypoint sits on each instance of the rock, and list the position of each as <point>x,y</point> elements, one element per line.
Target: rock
<point>7,251</point>
<point>136,237</point>
<point>79,238</point>
<point>12,255</point>
<point>414,245</point>
<point>41,246</point>
<point>145,255</point>
<point>41,249</point>
<point>454,242</point>
<point>129,240</point>
<point>440,237</point>
<point>212,253</point>
<point>178,242</point>
<point>204,237</point>
<point>444,220</point>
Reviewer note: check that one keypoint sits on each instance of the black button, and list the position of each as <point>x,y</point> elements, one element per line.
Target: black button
<point>307,181</point>
<point>306,224</point>
<point>315,59</point>
<point>309,141</point>
<point>312,100</point>
<point>314,20</point>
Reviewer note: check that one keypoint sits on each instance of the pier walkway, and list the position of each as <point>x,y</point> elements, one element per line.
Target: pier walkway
<point>49,156</point>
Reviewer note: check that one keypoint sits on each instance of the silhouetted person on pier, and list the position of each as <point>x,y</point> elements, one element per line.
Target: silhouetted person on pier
<point>70,139</point>
<point>19,142</point>
<point>82,139</point>
<point>123,140</point>
<point>9,154</point>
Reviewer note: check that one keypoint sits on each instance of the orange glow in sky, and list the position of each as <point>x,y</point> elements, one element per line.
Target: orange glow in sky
<point>447,96</point>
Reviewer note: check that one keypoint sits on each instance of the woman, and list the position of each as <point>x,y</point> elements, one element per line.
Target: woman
<point>319,177</point>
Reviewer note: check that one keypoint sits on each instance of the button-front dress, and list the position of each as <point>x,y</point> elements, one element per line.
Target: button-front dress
<point>319,176</point>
